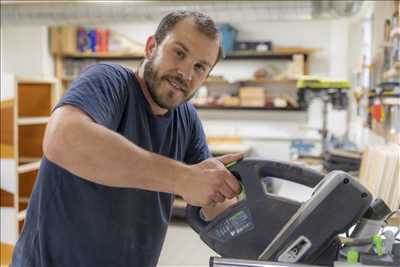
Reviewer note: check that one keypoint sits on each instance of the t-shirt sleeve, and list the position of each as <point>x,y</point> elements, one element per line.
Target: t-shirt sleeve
<point>101,92</point>
<point>197,148</point>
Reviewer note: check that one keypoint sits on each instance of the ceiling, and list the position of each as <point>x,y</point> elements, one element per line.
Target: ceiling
<point>97,12</point>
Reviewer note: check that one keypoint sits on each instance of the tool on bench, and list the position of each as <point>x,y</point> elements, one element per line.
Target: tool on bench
<point>267,227</point>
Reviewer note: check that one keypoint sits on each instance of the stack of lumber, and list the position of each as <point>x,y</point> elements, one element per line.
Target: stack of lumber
<point>379,172</point>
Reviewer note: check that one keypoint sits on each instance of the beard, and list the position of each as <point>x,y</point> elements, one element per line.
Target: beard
<point>167,99</point>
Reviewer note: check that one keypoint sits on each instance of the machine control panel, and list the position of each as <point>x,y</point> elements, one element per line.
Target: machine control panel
<point>234,225</point>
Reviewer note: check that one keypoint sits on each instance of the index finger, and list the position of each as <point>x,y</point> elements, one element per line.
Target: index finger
<point>233,182</point>
<point>225,159</point>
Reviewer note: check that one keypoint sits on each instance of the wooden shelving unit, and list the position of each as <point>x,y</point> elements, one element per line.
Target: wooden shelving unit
<point>279,53</point>
<point>35,99</point>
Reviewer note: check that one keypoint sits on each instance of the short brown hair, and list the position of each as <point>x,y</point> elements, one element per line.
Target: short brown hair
<point>203,22</point>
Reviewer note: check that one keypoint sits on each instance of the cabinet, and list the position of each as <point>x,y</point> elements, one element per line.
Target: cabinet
<point>26,113</point>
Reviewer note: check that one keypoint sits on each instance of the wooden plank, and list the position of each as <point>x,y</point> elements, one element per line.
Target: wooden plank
<point>6,254</point>
<point>22,205</point>
<point>28,167</point>
<point>34,99</point>
<point>6,199</point>
<point>32,120</point>
<point>26,182</point>
<point>30,138</point>
<point>7,152</point>
<point>36,80</point>
<point>27,159</point>
<point>7,128</point>
<point>24,200</point>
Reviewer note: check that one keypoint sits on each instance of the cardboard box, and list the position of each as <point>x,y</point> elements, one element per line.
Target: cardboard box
<point>62,39</point>
<point>251,92</point>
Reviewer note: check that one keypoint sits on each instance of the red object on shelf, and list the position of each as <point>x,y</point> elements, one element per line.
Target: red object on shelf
<point>377,111</point>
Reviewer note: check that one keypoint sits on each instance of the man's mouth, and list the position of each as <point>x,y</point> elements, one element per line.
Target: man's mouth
<point>176,85</point>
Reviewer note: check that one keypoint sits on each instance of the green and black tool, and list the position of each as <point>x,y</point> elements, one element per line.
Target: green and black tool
<point>265,226</point>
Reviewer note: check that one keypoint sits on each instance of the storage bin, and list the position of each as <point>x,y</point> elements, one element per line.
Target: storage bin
<point>228,36</point>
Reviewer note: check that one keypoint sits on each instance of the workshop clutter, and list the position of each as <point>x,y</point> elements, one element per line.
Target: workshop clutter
<point>230,43</point>
<point>252,97</point>
<point>69,39</point>
<point>340,159</point>
<point>245,97</point>
<point>384,110</point>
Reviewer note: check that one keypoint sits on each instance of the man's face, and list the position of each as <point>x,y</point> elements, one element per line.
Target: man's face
<point>179,65</point>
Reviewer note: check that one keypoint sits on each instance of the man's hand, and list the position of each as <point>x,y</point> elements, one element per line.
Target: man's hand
<point>210,182</point>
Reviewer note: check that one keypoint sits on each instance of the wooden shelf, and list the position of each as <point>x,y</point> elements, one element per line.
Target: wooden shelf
<point>246,108</point>
<point>279,52</point>
<point>31,104</point>
<point>32,120</point>
<point>105,55</point>
<point>36,80</point>
<point>28,159</point>
<point>260,81</point>
<point>35,99</point>
<point>268,81</point>
<point>24,200</point>
<point>28,167</point>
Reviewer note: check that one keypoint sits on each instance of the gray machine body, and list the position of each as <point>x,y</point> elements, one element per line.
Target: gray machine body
<point>265,226</point>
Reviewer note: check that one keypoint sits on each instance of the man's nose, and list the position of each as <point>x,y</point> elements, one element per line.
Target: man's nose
<point>185,71</point>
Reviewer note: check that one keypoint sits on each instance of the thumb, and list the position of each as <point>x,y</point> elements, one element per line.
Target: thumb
<point>225,159</point>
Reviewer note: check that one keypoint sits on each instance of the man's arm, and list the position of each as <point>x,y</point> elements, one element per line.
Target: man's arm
<point>93,152</point>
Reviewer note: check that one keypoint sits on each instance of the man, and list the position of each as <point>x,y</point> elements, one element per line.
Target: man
<point>118,147</point>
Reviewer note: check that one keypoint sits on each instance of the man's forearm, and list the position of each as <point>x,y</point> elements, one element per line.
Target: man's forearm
<point>100,155</point>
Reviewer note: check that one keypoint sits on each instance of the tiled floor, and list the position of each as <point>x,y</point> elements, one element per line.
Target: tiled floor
<point>183,247</point>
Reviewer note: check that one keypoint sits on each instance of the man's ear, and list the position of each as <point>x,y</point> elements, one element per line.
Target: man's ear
<point>151,46</point>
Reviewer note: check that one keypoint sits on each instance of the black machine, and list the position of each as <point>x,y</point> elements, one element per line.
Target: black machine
<point>267,227</point>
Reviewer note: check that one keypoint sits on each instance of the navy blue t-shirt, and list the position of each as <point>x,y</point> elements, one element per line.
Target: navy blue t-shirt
<point>74,222</point>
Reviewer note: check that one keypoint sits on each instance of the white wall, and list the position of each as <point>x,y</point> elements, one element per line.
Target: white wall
<point>313,34</point>
<point>31,57</point>
<point>24,51</point>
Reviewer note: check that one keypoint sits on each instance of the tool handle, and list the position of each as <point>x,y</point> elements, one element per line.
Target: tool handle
<point>250,171</point>
<point>194,219</point>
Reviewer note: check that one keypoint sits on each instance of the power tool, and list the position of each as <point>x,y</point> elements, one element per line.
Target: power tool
<point>268,227</point>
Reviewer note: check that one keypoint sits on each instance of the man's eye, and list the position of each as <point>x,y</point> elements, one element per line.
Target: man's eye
<point>180,54</point>
<point>200,68</point>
